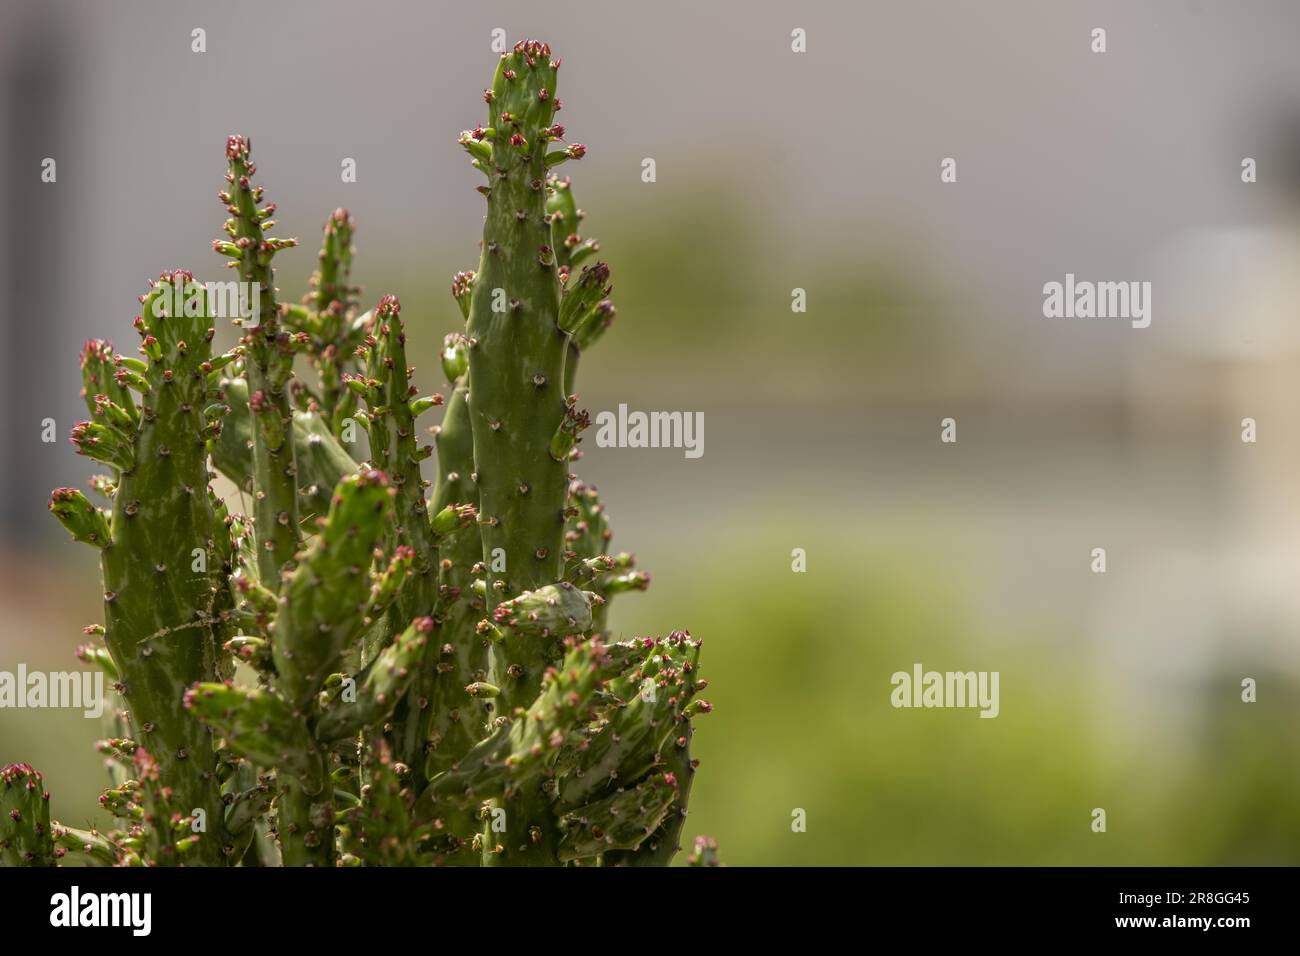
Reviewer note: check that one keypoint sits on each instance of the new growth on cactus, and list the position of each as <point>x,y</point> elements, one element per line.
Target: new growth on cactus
<point>371,666</point>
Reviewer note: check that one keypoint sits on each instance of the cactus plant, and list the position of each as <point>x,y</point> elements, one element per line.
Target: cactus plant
<point>373,667</point>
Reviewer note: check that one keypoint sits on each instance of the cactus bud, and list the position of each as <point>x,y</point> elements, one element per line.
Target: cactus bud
<point>455,357</point>
<point>462,289</point>
<point>453,518</point>
<point>704,853</point>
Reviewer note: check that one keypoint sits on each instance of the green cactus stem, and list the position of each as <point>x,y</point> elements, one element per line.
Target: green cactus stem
<point>621,821</point>
<point>322,607</point>
<point>262,727</point>
<point>647,735</point>
<point>333,338</point>
<point>587,536</point>
<point>246,810</point>
<point>268,364</point>
<point>305,825</point>
<point>162,832</point>
<point>458,717</point>
<point>571,251</point>
<point>516,759</point>
<point>389,397</point>
<point>516,354</point>
<point>83,520</point>
<point>516,366</point>
<point>659,848</point>
<point>247,806</point>
<point>25,835</point>
<point>392,405</point>
<point>99,377</point>
<point>320,459</point>
<point>543,617</point>
<point>585,313</point>
<point>83,847</point>
<point>160,566</point>
<point>380,831</point>
<point>381,686</point>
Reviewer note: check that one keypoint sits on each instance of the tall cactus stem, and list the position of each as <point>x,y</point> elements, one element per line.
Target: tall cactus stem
<point>517,401</point>
<point>268,366</point>
<point>161,567</point>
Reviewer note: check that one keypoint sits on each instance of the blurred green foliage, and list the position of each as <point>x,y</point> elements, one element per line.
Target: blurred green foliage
<point>800,667</point>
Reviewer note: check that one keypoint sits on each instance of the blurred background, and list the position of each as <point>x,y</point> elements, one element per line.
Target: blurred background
<point>777,171</point>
